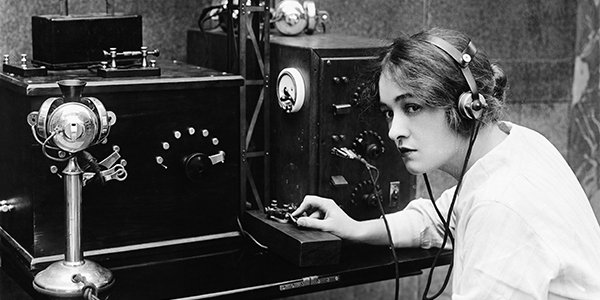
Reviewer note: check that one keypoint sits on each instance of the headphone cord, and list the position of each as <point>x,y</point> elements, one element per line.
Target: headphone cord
<point>446,222</point>
<point>385,222</point>
<point>437,210</point>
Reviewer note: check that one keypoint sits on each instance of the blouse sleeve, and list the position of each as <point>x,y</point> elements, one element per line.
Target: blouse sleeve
<point>418,225</point>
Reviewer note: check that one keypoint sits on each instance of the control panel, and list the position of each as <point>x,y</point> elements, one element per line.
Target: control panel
<point>309,127</point>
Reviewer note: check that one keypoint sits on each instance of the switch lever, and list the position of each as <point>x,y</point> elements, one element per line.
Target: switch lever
<point>341,109</point>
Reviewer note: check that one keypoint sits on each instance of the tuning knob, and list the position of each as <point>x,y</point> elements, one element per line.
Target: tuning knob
<point>195,164</point>
<point>369,144</point>
<point>363,192</point>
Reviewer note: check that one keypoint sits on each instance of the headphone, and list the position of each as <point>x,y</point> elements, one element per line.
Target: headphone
<point>470,104</point>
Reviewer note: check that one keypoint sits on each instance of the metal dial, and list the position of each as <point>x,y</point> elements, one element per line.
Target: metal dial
<point>291,91</point>
<point>369,144</point>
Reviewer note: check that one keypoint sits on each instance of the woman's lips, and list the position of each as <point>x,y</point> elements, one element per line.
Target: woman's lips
<point>404,152</point>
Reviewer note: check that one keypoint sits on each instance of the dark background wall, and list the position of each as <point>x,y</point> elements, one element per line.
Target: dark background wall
<point>548,49</point>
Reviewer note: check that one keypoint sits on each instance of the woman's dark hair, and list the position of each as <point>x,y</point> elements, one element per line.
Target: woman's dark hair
<point>431,75</point>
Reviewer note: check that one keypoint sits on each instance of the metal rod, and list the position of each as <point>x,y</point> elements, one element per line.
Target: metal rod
<point>266,100</point>
<point>110,7</point>
<point>73,193</point>
<point>241,63</point>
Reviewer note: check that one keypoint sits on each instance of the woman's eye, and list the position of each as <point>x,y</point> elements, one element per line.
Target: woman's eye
<point>412,108</point>
<point>388,114</point>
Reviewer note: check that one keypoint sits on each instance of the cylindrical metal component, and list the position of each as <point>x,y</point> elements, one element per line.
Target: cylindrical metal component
<point>23,60</point>
<point>113,57</point>
<point>71,89</point>
<point>73,193</point>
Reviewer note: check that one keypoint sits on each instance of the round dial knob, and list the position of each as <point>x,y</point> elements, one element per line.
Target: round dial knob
<point>369,144</point>
<point>195,164</point>
<point>363,193</point>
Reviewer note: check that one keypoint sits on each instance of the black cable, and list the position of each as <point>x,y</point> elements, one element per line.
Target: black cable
<point>249,236</point>
<point>387,227</point>
<point>88,161</point>
<point>472,139</point>
<point>437,210</point>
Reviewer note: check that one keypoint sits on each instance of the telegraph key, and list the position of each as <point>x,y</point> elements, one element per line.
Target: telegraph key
<point>144,68</point>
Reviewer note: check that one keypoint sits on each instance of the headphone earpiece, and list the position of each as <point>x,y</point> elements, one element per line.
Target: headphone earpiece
<point>470,104</point>
<point>469,108</point>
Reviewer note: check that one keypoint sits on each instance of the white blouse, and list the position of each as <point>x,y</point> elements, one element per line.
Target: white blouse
<point>523,226</point>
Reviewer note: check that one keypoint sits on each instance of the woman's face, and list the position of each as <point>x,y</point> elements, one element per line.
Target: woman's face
<point>421,133</point>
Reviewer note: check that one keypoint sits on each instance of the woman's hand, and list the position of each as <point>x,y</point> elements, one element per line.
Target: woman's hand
<point>324,214</point>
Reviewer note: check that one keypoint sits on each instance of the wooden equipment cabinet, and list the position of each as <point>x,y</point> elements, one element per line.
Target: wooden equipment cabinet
<point>187,110</point>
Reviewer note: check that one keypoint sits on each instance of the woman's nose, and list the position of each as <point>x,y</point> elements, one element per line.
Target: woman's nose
<point>398,128</point>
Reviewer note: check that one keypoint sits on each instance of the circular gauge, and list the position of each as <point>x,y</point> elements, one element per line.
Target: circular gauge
<point>291,91</point>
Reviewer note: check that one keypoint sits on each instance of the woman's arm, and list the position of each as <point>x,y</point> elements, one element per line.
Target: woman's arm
<point>417,225</point>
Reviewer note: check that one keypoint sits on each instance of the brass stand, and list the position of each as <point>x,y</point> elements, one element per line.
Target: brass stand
<point>73,275</point>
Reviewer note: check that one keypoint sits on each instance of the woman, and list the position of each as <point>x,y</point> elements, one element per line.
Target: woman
<point>521,225</point>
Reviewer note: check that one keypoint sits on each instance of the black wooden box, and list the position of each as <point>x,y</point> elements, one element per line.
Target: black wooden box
<point>335,115</point>
<point>159,207</point>
<point>68,42</point>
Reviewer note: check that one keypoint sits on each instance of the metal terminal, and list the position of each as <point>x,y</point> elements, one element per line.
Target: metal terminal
<point>24,60</point>
<point>144,51</point>
<point>53,169</point>
<point>160,160</point>
<point>113,57</point>
<point>5,206</point>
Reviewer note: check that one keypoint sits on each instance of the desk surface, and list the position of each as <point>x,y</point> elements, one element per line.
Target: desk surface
<point>248,273</point>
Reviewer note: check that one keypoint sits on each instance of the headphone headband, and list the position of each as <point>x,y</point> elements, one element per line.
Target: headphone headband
<point>461,58</point>
<point>470,104</point>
